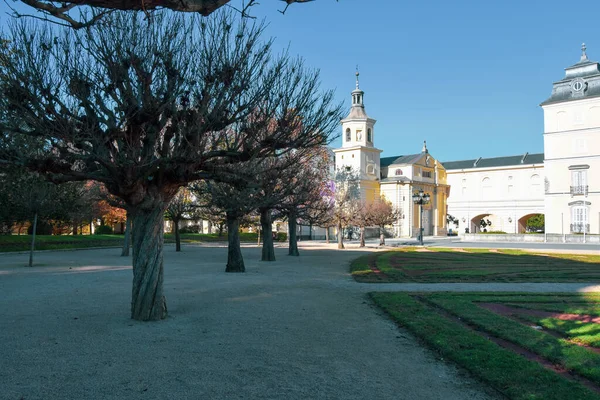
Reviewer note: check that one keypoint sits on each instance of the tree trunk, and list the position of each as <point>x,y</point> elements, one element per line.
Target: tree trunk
<point>381,237</point>
<point>209,227</point>
<point>177,236</point>
<point>235,261</point>
<point>340,236</point>
<point>292,239</point>
<point>362,236</point>
<point>148,301</point>
<point>221,228</point>
<point>268,250</point>
<point>259,235</point>
<point>127,237</point>
<point>75,225</point>
<point>327,235</point>
<point>35,217</point>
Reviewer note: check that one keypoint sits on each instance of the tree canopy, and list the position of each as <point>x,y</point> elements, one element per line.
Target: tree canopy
<point>146,107</point>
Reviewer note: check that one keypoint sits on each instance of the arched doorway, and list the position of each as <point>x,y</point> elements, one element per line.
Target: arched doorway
<point>536,223</point>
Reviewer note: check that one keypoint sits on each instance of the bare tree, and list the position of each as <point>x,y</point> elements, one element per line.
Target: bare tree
<point>179,209</point>
<point>382,213</point>
<point>236,201</point>
<point>362,218</point>
<point>67,12</point>
<point>146,108</point>
<point>347,200</point>
<point>307,196</point>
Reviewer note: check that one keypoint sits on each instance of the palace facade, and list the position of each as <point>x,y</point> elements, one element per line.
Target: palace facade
<point>505,191</point>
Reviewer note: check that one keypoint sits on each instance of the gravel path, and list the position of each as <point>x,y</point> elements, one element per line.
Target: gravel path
<point>297,328</point>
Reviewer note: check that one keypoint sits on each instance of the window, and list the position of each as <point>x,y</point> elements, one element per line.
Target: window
<point>369,135</point>
<point>579,219</point>
<point>536,185</point>
<point>579,182</point>
<point>371,169</point>
<point>398,172</point>
<point>426,174</point>
<point>486,188</point>
<point>348,135</point>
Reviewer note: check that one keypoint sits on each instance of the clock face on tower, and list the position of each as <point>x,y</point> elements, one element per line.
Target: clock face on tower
<point>578,86</point>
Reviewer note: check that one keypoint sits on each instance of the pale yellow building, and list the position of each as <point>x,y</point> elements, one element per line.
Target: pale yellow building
<point>393,178</point>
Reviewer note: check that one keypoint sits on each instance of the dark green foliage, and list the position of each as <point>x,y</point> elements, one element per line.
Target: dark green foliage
<point>281,237</point>
<point>536,222</point>
<point>43,228</point>
<point>103,230</point>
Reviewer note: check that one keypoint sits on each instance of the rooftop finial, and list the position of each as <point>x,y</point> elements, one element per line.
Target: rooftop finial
<point>357,74</point>
<point>424,149</point>
<point>583,53</point>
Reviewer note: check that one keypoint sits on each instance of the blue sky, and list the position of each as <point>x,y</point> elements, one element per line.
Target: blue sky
<point>467,76</point>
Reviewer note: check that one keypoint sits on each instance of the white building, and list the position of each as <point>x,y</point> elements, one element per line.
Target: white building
<point>557,183</point>
<point>507,191</point>
<point>572,150</point>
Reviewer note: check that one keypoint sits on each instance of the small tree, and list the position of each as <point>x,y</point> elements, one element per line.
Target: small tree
<point>346,200</point>
<point>382,213</point>
<point>484,223</point>
<point>362,218</point>
<point>179,208</point>
<point>450,219</point>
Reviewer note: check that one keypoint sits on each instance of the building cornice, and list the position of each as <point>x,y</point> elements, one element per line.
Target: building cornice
<point>359,147</point>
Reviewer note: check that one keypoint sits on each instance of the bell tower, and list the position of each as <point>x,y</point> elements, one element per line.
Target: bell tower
<point>358,151</point>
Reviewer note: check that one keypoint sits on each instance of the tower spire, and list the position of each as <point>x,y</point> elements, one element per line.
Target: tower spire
<point>424,149</point>
<point>357,74</point>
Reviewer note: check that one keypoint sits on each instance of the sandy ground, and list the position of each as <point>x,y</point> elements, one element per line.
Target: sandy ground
<point>297,328</point>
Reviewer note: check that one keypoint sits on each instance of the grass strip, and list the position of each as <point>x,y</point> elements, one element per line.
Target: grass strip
<point>10,243</point>
<point>512,375</point>
<point>559,351</point>
<point>584,333</point>
<point>480,265</point>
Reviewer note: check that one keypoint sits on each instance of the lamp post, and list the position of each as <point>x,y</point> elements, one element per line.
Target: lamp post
<point>421,199</point>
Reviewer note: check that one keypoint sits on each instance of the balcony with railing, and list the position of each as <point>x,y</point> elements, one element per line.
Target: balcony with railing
<point>579,190</point>
<point>580,228</point>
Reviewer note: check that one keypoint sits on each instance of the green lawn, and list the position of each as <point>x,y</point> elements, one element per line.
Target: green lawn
<point>475,265</point>
<point>462,330</point>
<point>49,242</point>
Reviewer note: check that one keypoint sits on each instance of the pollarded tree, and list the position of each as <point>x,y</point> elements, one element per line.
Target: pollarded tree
<point>306,197</point>
<point>179,208</point>
<point>236,201</point>
<point>382,214</point>
<point>146,107</point>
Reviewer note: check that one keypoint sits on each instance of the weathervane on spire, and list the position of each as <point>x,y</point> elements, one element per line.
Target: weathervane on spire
<point>357,74</point>
<point>583,53</point>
